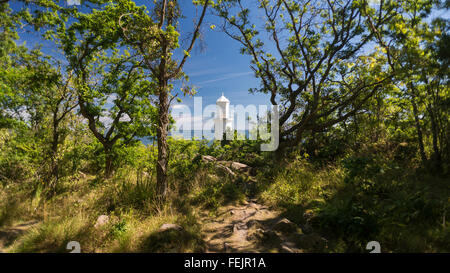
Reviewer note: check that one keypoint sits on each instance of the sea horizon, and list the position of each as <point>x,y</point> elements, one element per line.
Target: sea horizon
<point>194,135</point>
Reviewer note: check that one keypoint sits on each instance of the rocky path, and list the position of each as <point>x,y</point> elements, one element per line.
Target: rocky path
<point>9,235</point>
<point>252,227</point>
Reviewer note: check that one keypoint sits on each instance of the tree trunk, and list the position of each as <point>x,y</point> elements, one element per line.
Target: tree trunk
<point>53,177</point>
<point>418,128</point>
<point>108,161</point>
<point>437,160</point>
<point>162,131</point>
<point>54,155</point>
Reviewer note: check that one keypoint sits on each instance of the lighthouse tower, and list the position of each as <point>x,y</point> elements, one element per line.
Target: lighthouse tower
<point>222,120</point>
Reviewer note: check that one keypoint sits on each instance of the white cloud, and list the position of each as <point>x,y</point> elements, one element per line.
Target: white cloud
<point>226,77</point>
<point>203,72</point>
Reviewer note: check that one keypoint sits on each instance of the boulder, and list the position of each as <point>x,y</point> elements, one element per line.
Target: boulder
<point>226,167</point>
<point>236,166</point>
<point>225,170</point>
<point>289,247</point>
<point>101,221</point>
<point>239,166</point>
<point>165,227</point>
<point>208,158</point>
<point>285,226</point>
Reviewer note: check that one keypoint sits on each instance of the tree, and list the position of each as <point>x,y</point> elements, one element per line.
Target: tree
<point>437,87</point>
<point>10,69</point>
<point>155,38</point>
<point>111,89</point>
<point>421,72</point>
<point>51,94</point>
<point>35,91</point>
<point>319,64</point>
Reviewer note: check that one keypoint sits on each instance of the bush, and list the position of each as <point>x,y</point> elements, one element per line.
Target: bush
<point>213,191</point>
<point>19,156</point>
<point>53,235</point>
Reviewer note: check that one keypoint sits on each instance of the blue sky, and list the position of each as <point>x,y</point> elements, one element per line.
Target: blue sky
<point>214,67</point>
<point>217,68</point>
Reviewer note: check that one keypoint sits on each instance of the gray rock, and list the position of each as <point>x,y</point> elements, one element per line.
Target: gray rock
<point>101,221</point>
<point>208,158</point>
<point>253,205</point>
<point>239,166</point>
<point>285,226</point>
<point>225,170</point>
<point>165,227</point>
<point>289,247</point>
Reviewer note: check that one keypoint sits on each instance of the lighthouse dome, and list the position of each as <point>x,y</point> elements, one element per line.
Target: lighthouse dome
<point>222,99</point>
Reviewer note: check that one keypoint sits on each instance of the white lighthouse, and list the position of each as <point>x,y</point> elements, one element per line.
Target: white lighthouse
<point>222,121</point>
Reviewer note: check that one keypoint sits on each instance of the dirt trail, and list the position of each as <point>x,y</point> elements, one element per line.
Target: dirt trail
<point>9,235</point>
<point>252,227</point>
